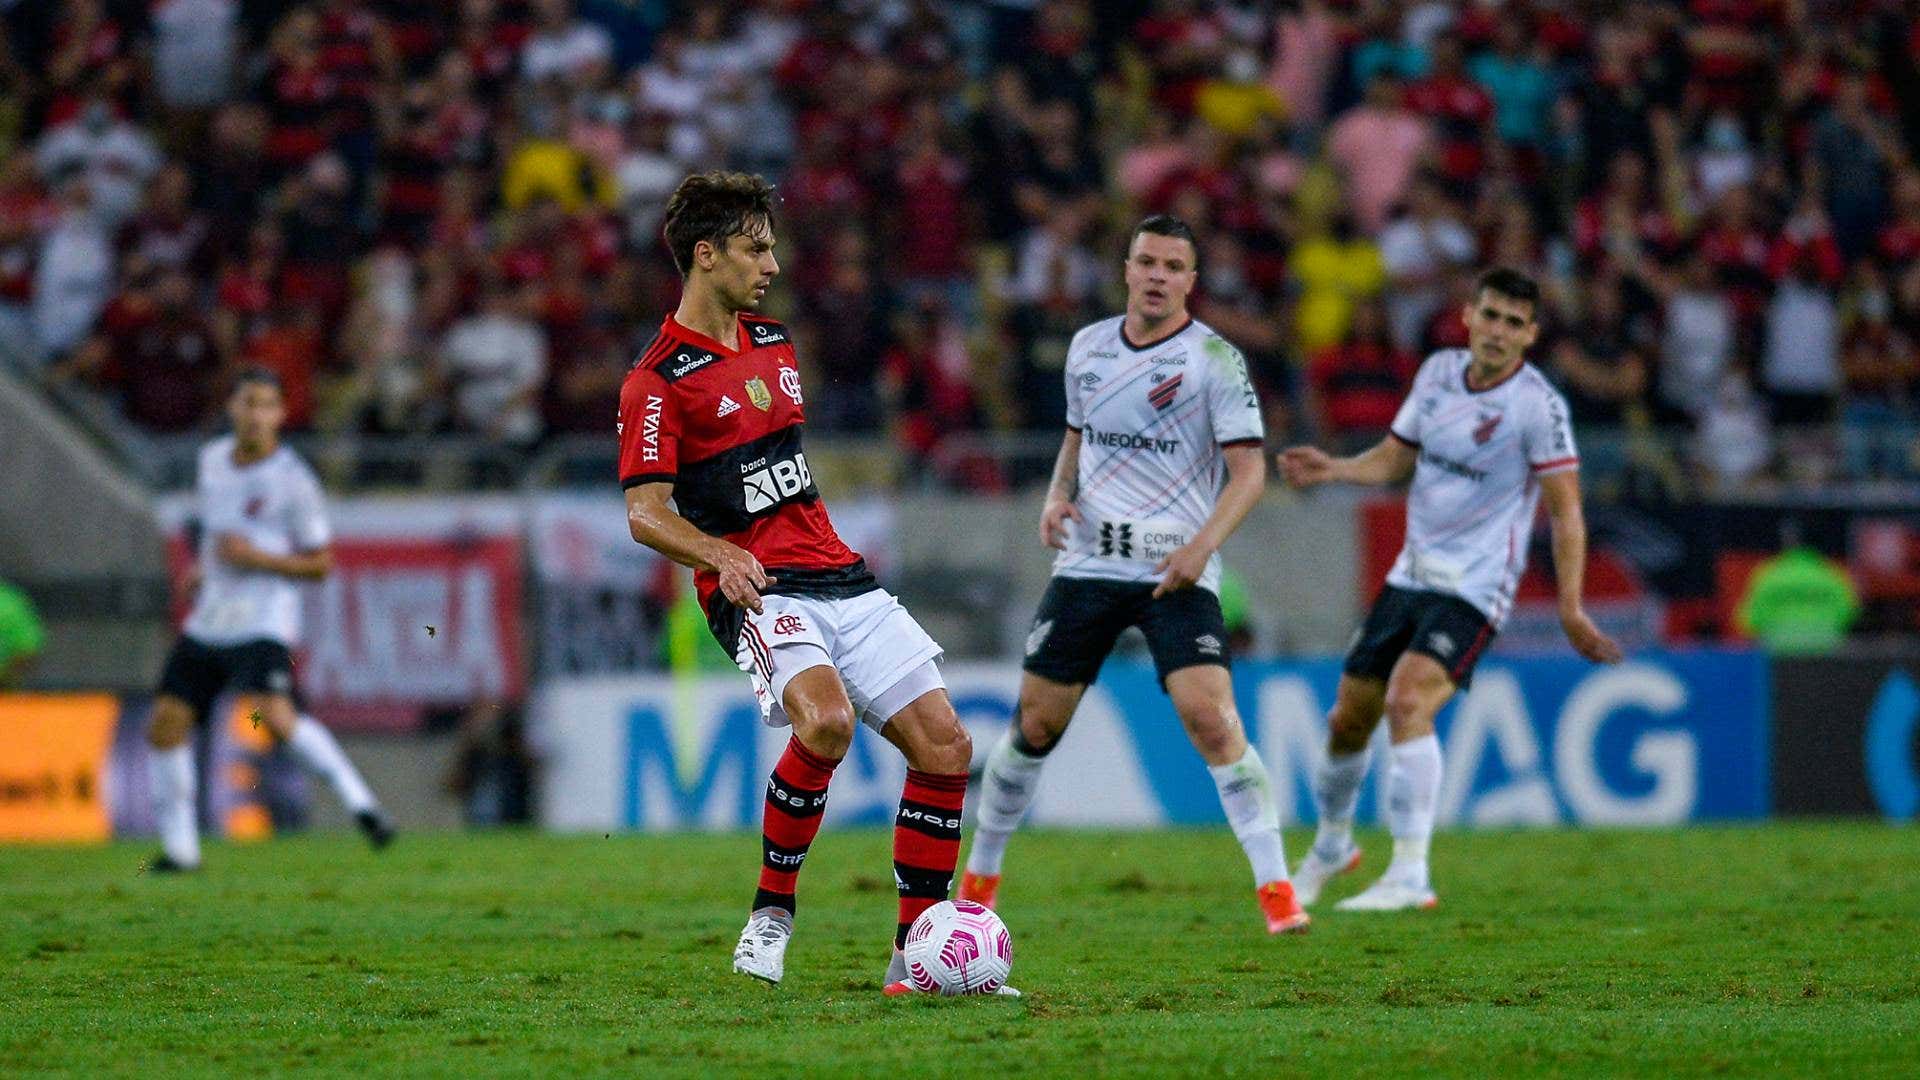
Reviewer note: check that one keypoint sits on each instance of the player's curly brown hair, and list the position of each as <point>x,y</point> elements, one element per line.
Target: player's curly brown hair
<point>712,206</point>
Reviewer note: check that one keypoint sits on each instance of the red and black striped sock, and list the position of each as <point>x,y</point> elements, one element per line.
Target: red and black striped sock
<point>926,843</point>
<point>796,797</point>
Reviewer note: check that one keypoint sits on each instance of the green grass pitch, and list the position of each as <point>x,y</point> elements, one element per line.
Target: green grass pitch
<point>1762,951</point>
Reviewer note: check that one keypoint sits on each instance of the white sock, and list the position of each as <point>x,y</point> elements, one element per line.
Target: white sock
<point>313,745</point>
<point>1336,792</point>
<point>1412,791</point>
<point>172,773</point>
<point>1246,793</point>
<point>1006,790</point>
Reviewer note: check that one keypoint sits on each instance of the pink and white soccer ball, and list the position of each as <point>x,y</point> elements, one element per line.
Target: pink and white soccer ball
<point>958,947</point>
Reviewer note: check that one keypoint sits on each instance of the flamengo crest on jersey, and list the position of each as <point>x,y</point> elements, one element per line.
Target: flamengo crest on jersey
<point>1152,421</point>
<point>1470,510</point>
<point>274,504</point>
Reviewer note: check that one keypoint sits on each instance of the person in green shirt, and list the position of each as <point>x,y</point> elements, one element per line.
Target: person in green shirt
<point>1236,612</point>
<point>21,634</point>
<point>1798,602</point>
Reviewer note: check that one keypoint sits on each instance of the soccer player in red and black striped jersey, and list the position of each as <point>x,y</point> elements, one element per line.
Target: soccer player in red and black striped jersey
<point>710,418</point>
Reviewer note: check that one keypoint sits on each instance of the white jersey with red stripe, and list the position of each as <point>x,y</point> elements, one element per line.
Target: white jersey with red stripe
<point>275,504</point>
<point>1152,419</point>
<point>1470,511</point>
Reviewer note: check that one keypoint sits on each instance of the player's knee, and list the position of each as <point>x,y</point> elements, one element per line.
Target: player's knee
<point>1040,723</point>
<point>1408,706</point>
<point>944,748</point>
<point>1215,730</point>
<point>1349,727</point>
<point>826,728</point>
<point>169,726</point>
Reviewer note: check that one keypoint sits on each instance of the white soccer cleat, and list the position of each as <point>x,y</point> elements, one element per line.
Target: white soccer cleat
<point>762,952</point>
<point>1315,872</point>
<point>1390,895</point>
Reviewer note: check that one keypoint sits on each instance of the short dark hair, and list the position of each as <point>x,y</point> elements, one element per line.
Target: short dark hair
<point>1166,225</point>
<point>712,206</point>
<point>1511,284</point>
<point>255,375</point>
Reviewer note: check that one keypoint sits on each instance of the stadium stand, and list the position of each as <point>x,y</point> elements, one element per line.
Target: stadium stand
<point>387,202</point>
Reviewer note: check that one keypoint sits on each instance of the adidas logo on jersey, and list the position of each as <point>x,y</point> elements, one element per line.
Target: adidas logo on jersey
<point>728,407</point>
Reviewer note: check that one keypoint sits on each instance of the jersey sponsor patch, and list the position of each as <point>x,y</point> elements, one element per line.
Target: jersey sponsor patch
<point>1148,540</point>
<point>685,362</point>
<point>1129,441</point>
<point>728,406</point>
<point>766,333</point>
<point>650,428</point>
<point>775,483</point>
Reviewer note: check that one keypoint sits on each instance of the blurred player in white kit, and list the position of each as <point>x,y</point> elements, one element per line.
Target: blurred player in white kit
<point>263,532</point>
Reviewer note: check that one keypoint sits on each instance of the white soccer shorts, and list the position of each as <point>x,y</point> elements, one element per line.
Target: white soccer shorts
<point>884,658</point>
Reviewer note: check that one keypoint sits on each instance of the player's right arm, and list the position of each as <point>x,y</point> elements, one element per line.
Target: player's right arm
<point>649,432</point>
<point>313,558</point>
<point>305,565</point>
<point>1388,461</point>
<point>654,523</point>
<point>1062,492</point>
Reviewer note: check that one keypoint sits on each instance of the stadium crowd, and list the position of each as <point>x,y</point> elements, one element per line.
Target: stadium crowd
<point>444,216</point>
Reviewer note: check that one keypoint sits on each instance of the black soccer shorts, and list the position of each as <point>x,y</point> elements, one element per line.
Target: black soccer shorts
<point>1081,618</point>
<point>1446,628</point>
<point>197,673</point>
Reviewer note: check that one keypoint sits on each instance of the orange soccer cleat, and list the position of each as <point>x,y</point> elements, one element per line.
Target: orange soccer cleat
<point>1283,912</point>
<point>979,888</point>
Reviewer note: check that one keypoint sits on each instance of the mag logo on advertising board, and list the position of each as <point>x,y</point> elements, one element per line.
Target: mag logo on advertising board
<point>1659,740</point>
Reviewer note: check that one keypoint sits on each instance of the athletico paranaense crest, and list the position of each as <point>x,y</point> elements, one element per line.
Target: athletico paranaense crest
<point>1484,429</point>
<point>758,393</point>
<point>1162,395</point>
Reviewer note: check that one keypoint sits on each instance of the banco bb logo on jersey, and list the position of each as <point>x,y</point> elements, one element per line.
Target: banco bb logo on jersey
<point>778,482</point>
<point>787,626</point>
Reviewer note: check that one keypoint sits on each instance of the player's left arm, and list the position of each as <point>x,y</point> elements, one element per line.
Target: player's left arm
<point>311,536</point>
<point>1561,492</point>
<point>1235,409</point>
<point>306,565</point>
<point>1246,479</point>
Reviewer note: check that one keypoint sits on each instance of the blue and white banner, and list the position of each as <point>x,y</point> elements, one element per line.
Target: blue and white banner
<point>1662,739</point>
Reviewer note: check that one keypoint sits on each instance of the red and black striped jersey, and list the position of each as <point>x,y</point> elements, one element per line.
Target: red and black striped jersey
<point>721,423</point>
